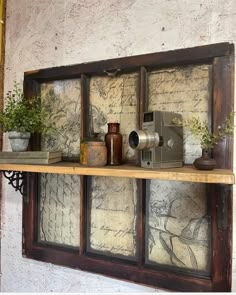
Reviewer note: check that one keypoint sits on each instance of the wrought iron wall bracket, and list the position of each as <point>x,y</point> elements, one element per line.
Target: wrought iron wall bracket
<point>20,182</point>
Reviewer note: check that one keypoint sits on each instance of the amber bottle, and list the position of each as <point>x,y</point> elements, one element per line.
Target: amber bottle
<point>113,141</point>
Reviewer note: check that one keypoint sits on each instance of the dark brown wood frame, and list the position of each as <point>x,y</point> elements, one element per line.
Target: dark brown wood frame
<point>221,57</point>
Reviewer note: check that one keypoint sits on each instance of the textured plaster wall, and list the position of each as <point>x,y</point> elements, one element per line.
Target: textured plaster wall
<point>46,33</point>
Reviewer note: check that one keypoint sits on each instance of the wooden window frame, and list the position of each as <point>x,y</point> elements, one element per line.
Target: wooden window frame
<point>221,57</point>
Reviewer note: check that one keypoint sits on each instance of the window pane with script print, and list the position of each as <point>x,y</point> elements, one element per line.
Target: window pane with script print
<point>59,210</point>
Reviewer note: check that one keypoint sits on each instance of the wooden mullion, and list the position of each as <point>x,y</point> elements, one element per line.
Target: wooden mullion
<point>141,183</point>
<point>29,218</point>
<point>83,215</point>
<point>84,123</point>
<point>84,117</point>
<point>143,104</point>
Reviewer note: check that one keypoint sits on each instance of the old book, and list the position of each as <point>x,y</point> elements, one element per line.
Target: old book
<point>30,155</point>
<point>30,161</point>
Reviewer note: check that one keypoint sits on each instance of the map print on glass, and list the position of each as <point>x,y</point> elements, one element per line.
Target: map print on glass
<point>63,99</point>
<point>178,231</point>
<point>112,201</point>
<point>178,225</point>
<point>59,216</point>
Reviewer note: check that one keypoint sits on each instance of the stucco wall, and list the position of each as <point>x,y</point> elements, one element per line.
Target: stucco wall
<point>46,33</point>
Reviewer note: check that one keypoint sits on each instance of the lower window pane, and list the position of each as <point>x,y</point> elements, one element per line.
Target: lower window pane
<point>112,205</point>
<point>59,211</point>
<point>178,226</point>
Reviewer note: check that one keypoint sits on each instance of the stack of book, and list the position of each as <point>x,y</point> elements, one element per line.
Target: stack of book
<point>38,157</point>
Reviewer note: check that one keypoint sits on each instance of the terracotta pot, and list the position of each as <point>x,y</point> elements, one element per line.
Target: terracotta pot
<point>93,153</point>
<point>205,162</point>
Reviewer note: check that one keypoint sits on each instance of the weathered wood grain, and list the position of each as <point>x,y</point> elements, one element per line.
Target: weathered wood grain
<point>187,173</point>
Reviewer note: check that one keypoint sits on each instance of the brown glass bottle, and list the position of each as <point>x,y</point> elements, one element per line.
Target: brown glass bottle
<point>113,141</point>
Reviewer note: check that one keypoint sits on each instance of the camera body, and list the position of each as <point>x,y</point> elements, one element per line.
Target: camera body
<point>160,140</point>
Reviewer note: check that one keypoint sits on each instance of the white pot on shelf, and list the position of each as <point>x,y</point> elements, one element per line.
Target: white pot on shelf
<point>19,140</point>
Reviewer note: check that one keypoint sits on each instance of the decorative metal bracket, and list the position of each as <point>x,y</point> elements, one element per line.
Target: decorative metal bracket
<point>20,182</point>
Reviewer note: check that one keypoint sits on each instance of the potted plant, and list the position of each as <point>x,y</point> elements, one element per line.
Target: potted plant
<point>22,117</point>
<point>208,139</point>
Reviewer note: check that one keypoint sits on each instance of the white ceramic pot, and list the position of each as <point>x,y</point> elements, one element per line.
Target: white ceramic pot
<point>19,140</point>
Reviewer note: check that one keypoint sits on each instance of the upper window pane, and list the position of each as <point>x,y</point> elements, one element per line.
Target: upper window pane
<point>115,99</point>
<point>62,99</point>
<point>184,90</point>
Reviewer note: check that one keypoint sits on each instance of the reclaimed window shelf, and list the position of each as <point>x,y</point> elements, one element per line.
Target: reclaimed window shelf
<point>169,228</point>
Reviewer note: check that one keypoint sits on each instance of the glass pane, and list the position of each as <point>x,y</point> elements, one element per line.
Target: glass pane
<point>59,209</point>
<point>62,99</point>
<point>187,91</point>
<point>178,226</point>
<point>112,206</point>
<point>59,212</point>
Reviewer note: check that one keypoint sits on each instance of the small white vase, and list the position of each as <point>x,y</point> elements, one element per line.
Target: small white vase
<point>19,140</point>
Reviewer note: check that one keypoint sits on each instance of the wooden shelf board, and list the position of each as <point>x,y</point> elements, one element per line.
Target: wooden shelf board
<point>186,173</point>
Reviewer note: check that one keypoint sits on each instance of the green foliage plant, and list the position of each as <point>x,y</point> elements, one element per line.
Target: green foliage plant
<point>23,114</point>
<point>209,139</point>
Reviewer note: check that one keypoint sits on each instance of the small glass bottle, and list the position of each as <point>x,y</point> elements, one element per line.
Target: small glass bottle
<point>113,141</point>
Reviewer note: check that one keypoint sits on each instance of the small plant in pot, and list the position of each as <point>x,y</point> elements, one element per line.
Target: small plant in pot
<point>22,117</point>
<point>209,139</point>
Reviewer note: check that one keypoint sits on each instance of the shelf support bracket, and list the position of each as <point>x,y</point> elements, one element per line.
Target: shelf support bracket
<point>20,182</point>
